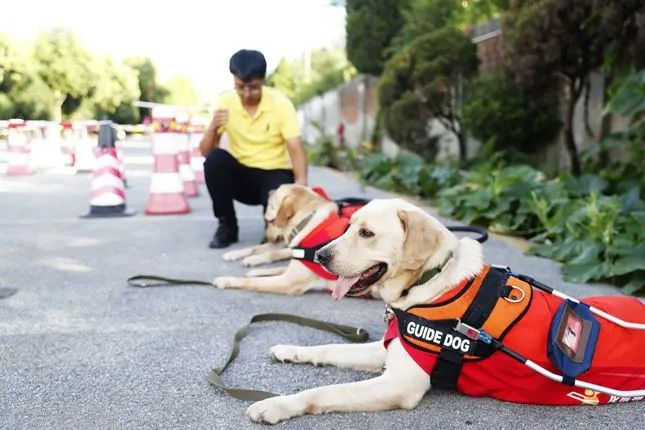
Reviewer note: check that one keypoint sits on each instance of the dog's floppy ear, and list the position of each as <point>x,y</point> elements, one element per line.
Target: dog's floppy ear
<point>271,210</point>
<point>286,211</point>
<point>420,240</point>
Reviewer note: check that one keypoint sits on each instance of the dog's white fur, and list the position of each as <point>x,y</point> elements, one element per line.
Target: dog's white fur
<point>409,241</point>
<point>287,207</point>
<point>259,254</point>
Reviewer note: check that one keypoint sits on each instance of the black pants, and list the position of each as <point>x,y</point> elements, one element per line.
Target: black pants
<point>227,179</point>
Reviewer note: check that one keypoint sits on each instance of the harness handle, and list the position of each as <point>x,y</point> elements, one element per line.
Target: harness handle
<point>145,281</point>
<point>483,234</point>
<point>353,334</point>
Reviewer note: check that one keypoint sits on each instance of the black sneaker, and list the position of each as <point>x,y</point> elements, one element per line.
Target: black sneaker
<point>225,235</point>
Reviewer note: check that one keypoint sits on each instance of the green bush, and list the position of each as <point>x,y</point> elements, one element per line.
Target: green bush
<point>497,113</point>
<point>594,224</point>
<point>327,151</point>
<point>568,219</point>
<point>410,130</point>
<point>597,237</point>
<point>492,195</point>
<point>407,173</point>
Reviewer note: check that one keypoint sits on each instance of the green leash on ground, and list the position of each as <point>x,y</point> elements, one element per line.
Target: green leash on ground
<point>146,281</point>
<point>353,334</point>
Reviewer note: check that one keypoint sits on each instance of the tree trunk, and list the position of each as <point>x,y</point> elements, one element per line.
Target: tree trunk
<point>569,140</point>
<point>455,126</point>
<point>462,145</point>
<point>57,107</point>
<point>605,122</point>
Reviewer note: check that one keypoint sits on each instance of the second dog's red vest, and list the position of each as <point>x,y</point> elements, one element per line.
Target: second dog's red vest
<point>331,228</point>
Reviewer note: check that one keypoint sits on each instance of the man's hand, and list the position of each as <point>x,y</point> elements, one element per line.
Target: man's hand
<point>212,135</point>
<point>220,118</point>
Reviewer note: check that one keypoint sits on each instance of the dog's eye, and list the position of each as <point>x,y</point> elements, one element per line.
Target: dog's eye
<point>365,233</point>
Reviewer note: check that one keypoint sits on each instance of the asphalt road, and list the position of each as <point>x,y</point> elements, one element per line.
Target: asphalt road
<point>79,349</point>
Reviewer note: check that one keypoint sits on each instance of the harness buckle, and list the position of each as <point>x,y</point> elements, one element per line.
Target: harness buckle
<point>388,314</point>
<point>472,332</point>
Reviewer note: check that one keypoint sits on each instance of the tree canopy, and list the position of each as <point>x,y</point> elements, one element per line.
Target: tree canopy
<point>55,76</point>
<point>550,43</point>
<point>327,70</point>
<point>371,25</point>
<point>64,66</point>
<point>423,82</point>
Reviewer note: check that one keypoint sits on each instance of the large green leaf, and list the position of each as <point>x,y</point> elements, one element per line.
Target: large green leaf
<point>636,283</point>
<point>590,255</point>
<point>584,272</point>
<point>635,260</point>
<point>632,200</point>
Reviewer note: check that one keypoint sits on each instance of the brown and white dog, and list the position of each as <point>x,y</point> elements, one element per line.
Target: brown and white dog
<point>276,247</point>
<point>293,212</point>
<point>388,245</point>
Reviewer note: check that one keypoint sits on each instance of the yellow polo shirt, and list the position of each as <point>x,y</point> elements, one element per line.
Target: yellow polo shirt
<point>260,141</point>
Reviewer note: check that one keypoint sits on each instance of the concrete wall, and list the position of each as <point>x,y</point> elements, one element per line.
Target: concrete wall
<point>354,105</point>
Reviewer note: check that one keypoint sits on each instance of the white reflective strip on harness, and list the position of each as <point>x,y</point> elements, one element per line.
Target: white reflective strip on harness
<point>582,384</point>
<point>298,253</point>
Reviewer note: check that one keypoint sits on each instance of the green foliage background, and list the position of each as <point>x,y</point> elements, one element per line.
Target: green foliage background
<point>55,77</point>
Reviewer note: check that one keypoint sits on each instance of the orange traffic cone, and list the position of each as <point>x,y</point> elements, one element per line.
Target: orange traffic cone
<point>166,186</point>
<point>185,170</point>
<point>19,160</point>
<point>108,191</point>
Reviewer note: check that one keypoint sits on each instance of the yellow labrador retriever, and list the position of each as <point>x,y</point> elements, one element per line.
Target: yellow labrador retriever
<point>275,248</point>
<point>293,212</point>
<point>388,246</point>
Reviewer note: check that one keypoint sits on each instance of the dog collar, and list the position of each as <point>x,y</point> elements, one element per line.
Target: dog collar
<point>429,274</point>
<point>297,229</point>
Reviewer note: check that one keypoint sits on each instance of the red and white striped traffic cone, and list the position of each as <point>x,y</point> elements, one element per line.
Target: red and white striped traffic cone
<point>166,186</point>
<point>108,191</point>
<point>185,169</point>
<point>197,159</point>
<point>119,156</point>
<point>19,161</point>
<point>68,143</point>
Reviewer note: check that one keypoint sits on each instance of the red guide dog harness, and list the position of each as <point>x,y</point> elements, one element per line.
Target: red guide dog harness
<point>331,228</point>
<point>519,316</point>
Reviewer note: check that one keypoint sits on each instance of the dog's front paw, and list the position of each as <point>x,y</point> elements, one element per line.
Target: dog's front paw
<point>286,353</point>
<point>254,260</point>
<point>235,255</point>
<point>223,282</point>
<point>274,409</point>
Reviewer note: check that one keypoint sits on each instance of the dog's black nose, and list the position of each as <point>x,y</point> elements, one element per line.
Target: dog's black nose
<point>323,255</point>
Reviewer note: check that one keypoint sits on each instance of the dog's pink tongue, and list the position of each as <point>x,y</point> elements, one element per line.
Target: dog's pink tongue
<point>342,287</point>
